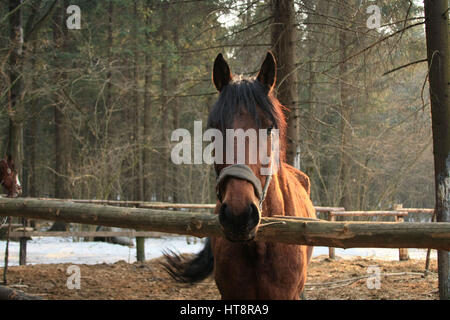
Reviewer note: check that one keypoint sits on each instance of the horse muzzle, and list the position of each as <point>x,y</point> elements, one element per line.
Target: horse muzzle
<point>242,226</point>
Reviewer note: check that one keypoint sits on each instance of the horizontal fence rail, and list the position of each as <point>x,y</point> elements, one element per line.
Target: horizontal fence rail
<point>416,210</point>
<point>285,230</point>
<point>98,234</point>
<point>368,213</point>
<point>397,214</point>
<point>162,205</point>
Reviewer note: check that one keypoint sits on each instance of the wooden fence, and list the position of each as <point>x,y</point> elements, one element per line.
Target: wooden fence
<point>277,229</point>
<point>398,215</point>
<point>20,232</point>
<point>399,207</point>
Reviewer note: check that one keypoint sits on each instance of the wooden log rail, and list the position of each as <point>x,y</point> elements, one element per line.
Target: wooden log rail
<point>13,225</point>
<point>397,214</point>
<point>162,205</point>
<point>416,210</point>
<point>292,231</point>
<point>98,234</point>
<point>140,204</point>
<point>368,213</point>
<point>399,207</point>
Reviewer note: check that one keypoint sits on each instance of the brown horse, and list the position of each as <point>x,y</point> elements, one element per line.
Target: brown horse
<point>9,178</point>
<point>245,268</point>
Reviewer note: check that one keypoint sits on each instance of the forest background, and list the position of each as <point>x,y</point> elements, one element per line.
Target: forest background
<point>96,106</point>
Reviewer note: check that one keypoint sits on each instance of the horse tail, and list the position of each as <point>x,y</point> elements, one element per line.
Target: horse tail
<point>190,270</point>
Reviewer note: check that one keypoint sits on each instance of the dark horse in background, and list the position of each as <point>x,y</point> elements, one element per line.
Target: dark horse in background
<point>245,268</point>
<point>9,178</point>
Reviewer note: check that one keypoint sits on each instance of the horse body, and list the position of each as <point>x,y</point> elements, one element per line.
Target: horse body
<point>245,268</point>
<point>264,270</point>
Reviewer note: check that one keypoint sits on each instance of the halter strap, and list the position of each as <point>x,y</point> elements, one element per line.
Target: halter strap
<point>243,172</point>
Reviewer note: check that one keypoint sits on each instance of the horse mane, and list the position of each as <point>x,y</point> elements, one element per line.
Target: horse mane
<point>249,94</point>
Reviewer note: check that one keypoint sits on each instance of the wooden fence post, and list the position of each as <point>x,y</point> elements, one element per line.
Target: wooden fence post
<point>427,260</point>
<point>23,245</point>
<point>402,252</point>
<point>331,253</point>
<point>140,249</point>
<point>23,251</point>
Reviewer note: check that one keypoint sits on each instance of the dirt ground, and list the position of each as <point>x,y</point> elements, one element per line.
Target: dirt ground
<point>339,279</point>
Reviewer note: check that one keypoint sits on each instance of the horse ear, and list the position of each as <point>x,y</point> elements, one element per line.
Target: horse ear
<point>221,73</point>
<point>268,73</point>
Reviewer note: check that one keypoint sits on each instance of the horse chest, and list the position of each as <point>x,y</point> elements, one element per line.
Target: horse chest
<point>259,270</point>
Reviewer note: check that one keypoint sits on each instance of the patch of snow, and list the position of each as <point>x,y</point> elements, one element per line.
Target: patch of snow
<point>374,253</point>
<point>46,250</point>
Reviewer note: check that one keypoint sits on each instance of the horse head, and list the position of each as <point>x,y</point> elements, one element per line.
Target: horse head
<point>9,178</point>
<point>250,118</point>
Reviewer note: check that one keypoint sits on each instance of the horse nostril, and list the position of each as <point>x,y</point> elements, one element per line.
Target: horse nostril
<point>222,213</point>
<point>253,217</point>
<point>239,224</point>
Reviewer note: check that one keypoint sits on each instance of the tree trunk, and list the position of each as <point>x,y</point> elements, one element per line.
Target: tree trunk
<point>283,35</point>
<point>315,35</point>
<point>109,89</point>
<point>62,151</point>
<point>110,45</point>
<point>62,132</point>
<point>138,171</point>
<point>31,130</point>
<point>175,110</point>
<point>436,25</point>
<point>164,132</point>
<point>346,44</point>
<point>345,123</point>
<point>147,139</point>
<point>16,108</point>
<point>16,93</point>
<point>175,168</point>
<point>164,139</point>
<point>32,156</point>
